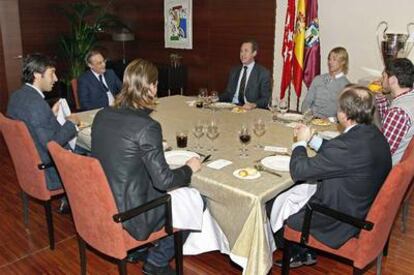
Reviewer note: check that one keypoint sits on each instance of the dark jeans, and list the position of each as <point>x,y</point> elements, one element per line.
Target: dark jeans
<point>163,251</point>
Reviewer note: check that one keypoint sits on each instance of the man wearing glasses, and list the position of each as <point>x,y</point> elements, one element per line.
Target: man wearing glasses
<point>98,86</point>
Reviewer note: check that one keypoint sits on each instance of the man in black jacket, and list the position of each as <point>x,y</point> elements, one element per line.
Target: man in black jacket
<point>348,170</point>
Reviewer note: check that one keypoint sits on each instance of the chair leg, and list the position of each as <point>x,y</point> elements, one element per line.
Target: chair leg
<point>25,200</point>
<point>122,267</point>
<point>385,250</point>
<point>404,215</point>
<point>49,220</point>
<point>379,264</point>
<point>286,257</point>
<point>357,271</point>
<point>82,254</point>
<point>178,245</point>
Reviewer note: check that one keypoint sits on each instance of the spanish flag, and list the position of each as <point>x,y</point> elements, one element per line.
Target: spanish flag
<point>299,53</point>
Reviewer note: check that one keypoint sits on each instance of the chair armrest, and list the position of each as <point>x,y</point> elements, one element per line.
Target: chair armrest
<point>310,207</point>
<point>164,200</point>
<point>43,166</point>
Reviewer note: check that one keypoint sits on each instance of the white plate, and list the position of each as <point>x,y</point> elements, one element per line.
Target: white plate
<point>178,158</point>
<point>223,105</point>
<point>279,163</point>
<point>329,134</point>
<point>252,177</point>
<point>290,117</point>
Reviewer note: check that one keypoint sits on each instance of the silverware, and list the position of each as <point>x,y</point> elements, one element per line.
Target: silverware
<point>200,154</point>
<point>260,167</point>
<point>206,158</point>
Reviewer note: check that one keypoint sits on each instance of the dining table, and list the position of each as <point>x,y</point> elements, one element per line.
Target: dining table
<point>238,205</point>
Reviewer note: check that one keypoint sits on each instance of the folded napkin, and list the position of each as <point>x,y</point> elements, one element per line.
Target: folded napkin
<point>276,149</point>
<point>219,164</point>
<point>63,112</point>
<point>191,103</point>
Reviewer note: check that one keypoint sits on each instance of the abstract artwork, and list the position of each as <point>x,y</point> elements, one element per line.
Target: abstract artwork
<point>178,29</point>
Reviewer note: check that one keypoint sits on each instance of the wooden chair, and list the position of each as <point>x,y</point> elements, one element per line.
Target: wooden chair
<point>372,241</point>
<point>29,170</point>
<point>409,153</point>
<point>74,86</point>
<point>95,214</point>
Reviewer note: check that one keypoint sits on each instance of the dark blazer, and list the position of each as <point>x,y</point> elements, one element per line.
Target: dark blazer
<point>27,105</point>
<point>349,171</point>
<point>128,143</point>
<point>92,93</point>
<point>257,89</point>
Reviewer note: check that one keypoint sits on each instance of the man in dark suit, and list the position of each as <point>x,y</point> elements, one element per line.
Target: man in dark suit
<point>98,86</point>
<point>348,171</point>
<point>28,105</point>
<point>249,83</point>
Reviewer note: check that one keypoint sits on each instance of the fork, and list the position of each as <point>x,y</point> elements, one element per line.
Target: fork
<point>260,167</point>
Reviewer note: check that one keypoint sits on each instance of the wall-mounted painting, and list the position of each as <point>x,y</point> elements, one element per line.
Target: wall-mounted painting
<point>178,29</point>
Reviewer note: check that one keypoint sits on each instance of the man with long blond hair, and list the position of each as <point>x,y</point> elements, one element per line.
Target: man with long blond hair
<point>128,143</point>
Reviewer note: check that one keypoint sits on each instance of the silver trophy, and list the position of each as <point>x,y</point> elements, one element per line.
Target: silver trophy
<point>394,45</point>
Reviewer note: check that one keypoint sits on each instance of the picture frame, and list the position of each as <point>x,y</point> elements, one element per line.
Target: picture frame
<point>178,24</point>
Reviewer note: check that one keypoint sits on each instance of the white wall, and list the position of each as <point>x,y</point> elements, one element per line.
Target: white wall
<point>351,24</point>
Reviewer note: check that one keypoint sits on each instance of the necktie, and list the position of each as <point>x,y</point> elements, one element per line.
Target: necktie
<point>103,84</point>
<point>242,86</point>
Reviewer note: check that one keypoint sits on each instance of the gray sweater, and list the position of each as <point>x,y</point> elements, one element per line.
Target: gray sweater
<point>322,95</point>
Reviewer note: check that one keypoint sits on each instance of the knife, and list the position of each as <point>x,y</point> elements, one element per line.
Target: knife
<point>206,158</point>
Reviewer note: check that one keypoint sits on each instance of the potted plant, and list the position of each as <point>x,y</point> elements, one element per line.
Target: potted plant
<point>86,21</point>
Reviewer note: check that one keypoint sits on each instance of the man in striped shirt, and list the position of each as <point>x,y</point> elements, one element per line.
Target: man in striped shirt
<point>397,115</point>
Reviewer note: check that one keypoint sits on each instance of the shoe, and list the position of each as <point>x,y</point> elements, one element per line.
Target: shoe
<point>298,260</point>
<point>136,256</point>
<point>150,269</point>
<point>64,207</point>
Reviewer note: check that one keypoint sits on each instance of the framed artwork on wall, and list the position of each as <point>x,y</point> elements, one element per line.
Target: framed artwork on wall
<point>178,24</point>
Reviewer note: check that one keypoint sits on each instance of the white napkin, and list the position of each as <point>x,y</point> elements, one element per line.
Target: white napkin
<point>218,164</point>
<point>276,149</point>
<point>63,112</point>
<point>191,103</point>
<point>187,208</point>
<point>292,124</point>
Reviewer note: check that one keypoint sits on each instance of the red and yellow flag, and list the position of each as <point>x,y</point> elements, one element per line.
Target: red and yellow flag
<point>299,53</point>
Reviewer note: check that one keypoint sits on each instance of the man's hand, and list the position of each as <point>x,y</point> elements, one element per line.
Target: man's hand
<point>74,119</point>
<point>303,133</point>
<point>249,106</point>
<point>194,163</point>
<point>55,108</point>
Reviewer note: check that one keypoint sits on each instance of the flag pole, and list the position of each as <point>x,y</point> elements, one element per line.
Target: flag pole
<point>297,104</point>
<point>289,92</point>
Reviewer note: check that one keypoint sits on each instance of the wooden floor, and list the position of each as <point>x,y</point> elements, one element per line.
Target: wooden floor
<point>26,251</point>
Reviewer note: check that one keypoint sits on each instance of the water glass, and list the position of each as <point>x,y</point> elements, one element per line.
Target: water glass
<point>259,129</point>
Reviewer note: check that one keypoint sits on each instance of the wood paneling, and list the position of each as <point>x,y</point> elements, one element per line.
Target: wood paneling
<point>218,28</point>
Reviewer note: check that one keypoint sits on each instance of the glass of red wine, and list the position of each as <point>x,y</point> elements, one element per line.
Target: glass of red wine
<point>244,137</point>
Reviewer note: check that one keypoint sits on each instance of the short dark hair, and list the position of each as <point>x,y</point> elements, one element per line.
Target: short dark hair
<point>357,102</point>
<point>35,63</point>
<point>91,53</point>
<point>255,45</point>
<point>403,70</point>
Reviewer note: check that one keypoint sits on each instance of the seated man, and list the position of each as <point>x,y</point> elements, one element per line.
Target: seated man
<point>28,104</point>
<point>97,86</point>
<point>323,92</point>
<point>397,117</point>
<point>348,171</point>
<point>249,84</point>
<point>128,143</point>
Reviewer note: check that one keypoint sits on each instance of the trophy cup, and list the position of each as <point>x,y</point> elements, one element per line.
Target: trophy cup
<point>394,45</point>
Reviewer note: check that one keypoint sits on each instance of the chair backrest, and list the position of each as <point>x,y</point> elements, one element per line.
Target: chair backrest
<point>90,199</point>
<point>25,158</point>
<point>74,86</point>
<point>383,212</point>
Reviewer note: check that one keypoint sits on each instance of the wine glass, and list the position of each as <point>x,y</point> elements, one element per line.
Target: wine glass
<point>259,129</point>
<point>198,132</point>
<point>273,107</point>
<point>283,106</point>
<point>202,95</point>
<point>307,116</point>
<point>244,137</point>
<point>212,134</point>
<point>214,96</point>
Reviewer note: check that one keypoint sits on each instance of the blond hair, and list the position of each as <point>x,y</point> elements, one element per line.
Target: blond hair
<point>343,56</point>
<point>135,92</point>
